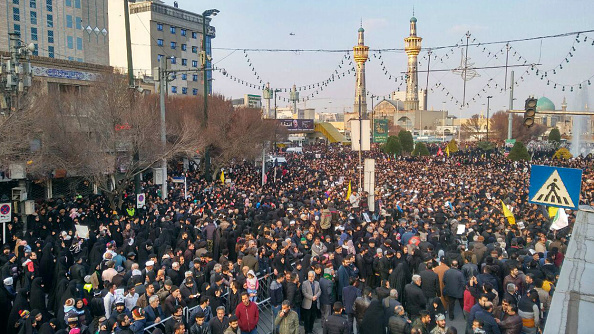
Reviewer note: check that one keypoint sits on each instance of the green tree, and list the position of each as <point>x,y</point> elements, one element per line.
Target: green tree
<point>406,140</point>
<point>420,150</point>
<point>393,146</point>
<point>485,145</point>
<point>519,152</point>
<point>555,135</point>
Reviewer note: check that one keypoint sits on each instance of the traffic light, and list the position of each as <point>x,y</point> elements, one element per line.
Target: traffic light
<point>530,112</point>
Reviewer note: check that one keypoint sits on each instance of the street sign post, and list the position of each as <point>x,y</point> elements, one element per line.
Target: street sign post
<point>140,200</point>
<point>555,186</point>
<point>5,216</point>
<point>181,179</point>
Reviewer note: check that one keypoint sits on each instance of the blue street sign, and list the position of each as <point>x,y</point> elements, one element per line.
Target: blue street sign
<point>555,186</point>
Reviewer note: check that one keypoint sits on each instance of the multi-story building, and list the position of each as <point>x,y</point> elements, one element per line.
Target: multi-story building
<point>161,31</point>
<point>74,30</point>
<point>248,101</point>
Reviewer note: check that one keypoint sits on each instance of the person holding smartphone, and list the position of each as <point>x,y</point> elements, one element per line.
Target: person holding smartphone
<point>287,320</point>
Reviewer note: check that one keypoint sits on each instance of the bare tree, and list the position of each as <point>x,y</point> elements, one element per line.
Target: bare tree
<point>499,127</point>
<point>472,127</point>
<point>17,130</point>
<point>96,133</point>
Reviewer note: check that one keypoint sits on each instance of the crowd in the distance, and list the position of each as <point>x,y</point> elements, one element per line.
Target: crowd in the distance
<point>436,237</point>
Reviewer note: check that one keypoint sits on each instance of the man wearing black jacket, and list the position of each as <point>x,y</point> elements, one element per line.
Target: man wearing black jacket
<point>336,323</point>
<point>430,282</point>
<point>414,298</point>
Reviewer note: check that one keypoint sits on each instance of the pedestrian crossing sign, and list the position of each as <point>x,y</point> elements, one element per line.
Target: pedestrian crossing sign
<point>555,186</point>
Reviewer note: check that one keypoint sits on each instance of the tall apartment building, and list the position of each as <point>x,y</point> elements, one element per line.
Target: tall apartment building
<point>156,31</point>
<point>75,30</point>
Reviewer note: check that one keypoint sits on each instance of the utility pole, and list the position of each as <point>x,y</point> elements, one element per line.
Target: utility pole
<point>372,121</point>
<point>267,96</point>
<point>15,79</point>
<point>488,100</point>
<point>427,83</point>
<point>204,57</point>
<point>263,163</point>
<point>465,71</point>
<point>136,156</point>
<point>162,81</point>
<point>360,147</point>
<point>511,106</point>
<point>294,97</point>
<point>15,73</point>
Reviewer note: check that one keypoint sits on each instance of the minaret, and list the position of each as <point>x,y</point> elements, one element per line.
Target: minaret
<point>360,52</point>
<point>412,47</point>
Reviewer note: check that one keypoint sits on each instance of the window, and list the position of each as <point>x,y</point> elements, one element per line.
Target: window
<point>184,62</point>
<point>173,45</point>
<point>16,14</point>
<point>68,3</point>
<point>160,42</point>
<point>173,76</point>
<point>160,26</point>
<point>80,60</point>
<point>194,35</point>
<point>33,3</point>
<point>78,23</point>
<point>70,42</point>
<point>184,90</point>
<point>183,32</point>
<point>184,76</point>
<point>33,16</point>
<point>195,77</point>
<point>77,3</point>
<point>194,49</point>
<point>50,36</point>
<point>50,20</point>
<point>194,63</point>
<point>17,29</point>
<point>33,34</point>
<point>48,5</point>
<point>195,91</point>
<point>50,52</point>
<point>69,21</point>
<point>79,43</point>
<point>173,60</point>
<point>184,47</point>
<point>159,57</point>
<point>15,2</point>
<point>174,89</point>
<point>71,58</point>
<point>36,50</point>
<point>172,29</point>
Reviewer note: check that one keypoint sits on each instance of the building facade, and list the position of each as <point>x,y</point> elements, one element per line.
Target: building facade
<point>161,31</point>
<point>74,30</point>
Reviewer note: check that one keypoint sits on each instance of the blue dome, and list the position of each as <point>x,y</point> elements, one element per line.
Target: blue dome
<point>544,104</point>
<point>361,29</point>
<point>413,19</point>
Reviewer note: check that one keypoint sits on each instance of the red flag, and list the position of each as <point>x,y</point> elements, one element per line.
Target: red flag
<point>439,152</point>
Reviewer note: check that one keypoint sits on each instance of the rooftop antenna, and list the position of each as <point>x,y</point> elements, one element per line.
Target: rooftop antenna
<point>361,22</point>
<point>413,10</point>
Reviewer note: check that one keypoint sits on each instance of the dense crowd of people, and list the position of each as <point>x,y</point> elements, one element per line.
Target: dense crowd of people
<point>398,260</point>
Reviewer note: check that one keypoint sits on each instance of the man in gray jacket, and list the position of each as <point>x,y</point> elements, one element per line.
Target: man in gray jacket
<point>311,293</point>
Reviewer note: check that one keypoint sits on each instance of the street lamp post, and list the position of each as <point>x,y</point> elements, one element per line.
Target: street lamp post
<point>443,120</point>
<point>204,57</point>
<point>488,100</point>
<point>206,14</point>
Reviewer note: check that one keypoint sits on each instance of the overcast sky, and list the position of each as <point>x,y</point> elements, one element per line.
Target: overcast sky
<point>333,24</point>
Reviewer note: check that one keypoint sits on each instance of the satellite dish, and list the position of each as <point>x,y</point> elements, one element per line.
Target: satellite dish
<point>31,47</point>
